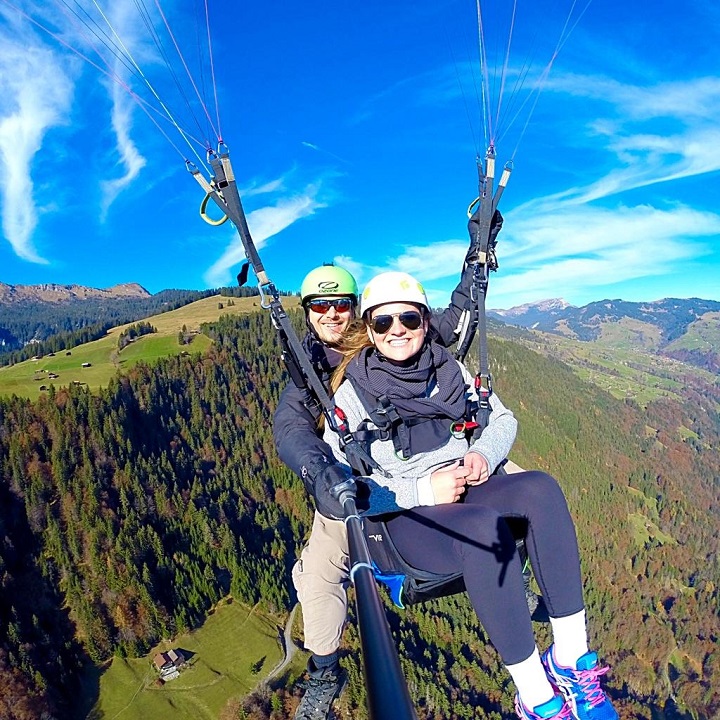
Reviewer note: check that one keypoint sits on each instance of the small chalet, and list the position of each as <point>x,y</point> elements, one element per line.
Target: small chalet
<point>168,663</point>
<point>86,364</point>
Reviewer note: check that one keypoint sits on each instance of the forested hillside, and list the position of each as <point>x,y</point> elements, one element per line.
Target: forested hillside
<point>125,515</point>
<point>30,327</point>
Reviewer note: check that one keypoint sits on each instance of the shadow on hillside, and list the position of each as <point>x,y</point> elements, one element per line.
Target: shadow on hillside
<point>90,693</point>
<point>187,654</point>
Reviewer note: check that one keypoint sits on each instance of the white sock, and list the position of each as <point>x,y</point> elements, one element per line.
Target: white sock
<point>531,681</point>
<point>570,638</point>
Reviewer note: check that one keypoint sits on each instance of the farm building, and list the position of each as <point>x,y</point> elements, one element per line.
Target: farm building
<point>168,663</point>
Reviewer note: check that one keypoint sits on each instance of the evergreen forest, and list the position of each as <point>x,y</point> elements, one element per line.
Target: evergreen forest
<point>127,514</point>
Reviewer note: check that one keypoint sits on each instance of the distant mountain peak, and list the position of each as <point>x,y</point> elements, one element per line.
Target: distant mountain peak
<point>544,306</point>
<point>55,293</point>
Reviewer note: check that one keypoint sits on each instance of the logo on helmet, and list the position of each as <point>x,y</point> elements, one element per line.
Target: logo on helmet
<point>328,286</point>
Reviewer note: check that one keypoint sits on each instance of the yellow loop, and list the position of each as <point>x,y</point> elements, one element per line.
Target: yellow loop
<point>206,217</point>
<point>472,206</point>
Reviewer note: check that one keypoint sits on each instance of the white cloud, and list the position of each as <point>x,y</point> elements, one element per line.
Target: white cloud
<point>550,251</point>
<point>263,223</point>
<point>36,90</point>
<point>358,270</point>
<point>688,100</point>
<point>130,160</point>
<point>657,133</point>
<point>264,188</point>
<point>433,265</point>
<point>128,35</point>
<point>35,95</point>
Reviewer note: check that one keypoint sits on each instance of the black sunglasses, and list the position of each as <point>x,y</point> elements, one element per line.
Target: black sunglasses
<point>322,305</point>
<point>411,319</point>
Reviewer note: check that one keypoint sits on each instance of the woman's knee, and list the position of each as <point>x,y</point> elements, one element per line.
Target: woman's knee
<point>482,530</point>
<point>541,489</point>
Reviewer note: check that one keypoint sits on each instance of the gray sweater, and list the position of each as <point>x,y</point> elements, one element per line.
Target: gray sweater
<point>409,485</point>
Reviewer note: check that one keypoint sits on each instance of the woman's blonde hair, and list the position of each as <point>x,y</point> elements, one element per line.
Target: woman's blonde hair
<point>355,340</point>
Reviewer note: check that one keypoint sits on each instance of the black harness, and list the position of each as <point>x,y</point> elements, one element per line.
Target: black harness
<point>409,436</point>
<point>408,584</point>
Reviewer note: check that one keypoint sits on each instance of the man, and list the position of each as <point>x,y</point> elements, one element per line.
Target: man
<point>329,296</point>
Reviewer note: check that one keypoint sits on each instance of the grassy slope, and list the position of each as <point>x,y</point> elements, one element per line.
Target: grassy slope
<point>25,379</point>
<point>629,333</point>
<point>702,335</point>
<point>231,640</point>
<point>623,370</point>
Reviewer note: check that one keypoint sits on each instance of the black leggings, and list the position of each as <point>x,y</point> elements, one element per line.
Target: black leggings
<point>474,538</point>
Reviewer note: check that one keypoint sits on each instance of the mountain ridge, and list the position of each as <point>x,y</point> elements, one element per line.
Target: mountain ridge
<point>686,329</point>
<point>56,293</point>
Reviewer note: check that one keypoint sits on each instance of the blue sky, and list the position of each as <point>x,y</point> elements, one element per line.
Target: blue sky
<point>353,131</point>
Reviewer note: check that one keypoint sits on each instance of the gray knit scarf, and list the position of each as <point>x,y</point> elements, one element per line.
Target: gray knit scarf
<point>408,387</point>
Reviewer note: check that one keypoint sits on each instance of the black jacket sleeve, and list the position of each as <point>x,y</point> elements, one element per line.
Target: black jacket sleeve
<point>445,322</point>
<point>296,438</point>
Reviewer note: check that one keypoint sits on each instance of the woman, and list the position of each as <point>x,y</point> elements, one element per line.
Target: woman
<point>454,506</point>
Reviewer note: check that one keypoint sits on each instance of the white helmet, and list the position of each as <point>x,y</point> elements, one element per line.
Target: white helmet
<point>391,287</point>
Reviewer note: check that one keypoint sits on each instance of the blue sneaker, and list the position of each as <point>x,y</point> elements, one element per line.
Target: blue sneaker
<point>581,686</point>
<point>555,709</point>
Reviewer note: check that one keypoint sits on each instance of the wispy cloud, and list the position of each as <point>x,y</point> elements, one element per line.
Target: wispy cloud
<point>263,223</point>
<point>130,159</point>
<point>657,133</point>
<point>36,91</point>
<point>430,264</point>
<point>255,188</point>
<point>322,151</point>
<point>129,36</point>
<point>687,100</point>
<point>548,252</point>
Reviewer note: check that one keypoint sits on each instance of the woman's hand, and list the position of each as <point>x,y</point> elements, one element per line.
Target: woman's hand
<point>448,483</point>
<point>478,468</point>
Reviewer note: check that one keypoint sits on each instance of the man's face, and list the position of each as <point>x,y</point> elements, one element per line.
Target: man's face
<point>330,317</point>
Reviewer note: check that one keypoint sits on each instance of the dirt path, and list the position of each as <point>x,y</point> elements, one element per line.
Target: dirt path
<point>289,647</point>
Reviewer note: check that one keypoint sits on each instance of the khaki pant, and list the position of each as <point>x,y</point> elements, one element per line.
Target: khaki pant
<point>321,578</point>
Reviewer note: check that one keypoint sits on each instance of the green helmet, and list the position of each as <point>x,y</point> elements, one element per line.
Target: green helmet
<point>328,279</point>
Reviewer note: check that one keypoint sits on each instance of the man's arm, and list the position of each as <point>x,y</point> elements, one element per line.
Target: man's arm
<point>305,453</point>
<point>296,435</point>
<point>446,322</point>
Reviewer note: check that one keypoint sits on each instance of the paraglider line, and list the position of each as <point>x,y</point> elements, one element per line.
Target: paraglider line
<point>187,69</point>
<point>212,72</point>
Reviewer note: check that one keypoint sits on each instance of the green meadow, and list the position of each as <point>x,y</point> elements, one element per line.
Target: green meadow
<point>104,360</point>
<point>229,656</point>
